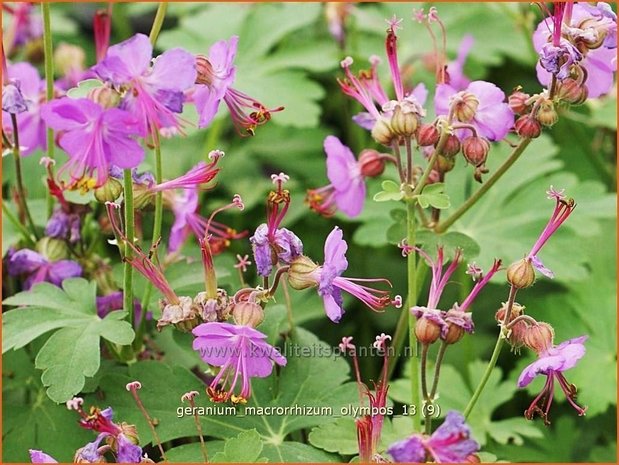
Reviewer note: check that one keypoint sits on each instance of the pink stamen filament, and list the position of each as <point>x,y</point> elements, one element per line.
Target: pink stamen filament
<point>479,285</point>
<point>562,211</point>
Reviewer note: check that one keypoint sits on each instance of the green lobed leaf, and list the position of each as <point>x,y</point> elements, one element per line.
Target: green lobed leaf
<point>245,448</point>
<point>72,353</point>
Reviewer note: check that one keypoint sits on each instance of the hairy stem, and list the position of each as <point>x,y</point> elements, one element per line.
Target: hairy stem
<point>401,329</point>
<point>412,300</point>
<point>518,150</point>
<point>49,88</point>
<point>130,234</point>
<point>21,191</point>
<point>495,354</point>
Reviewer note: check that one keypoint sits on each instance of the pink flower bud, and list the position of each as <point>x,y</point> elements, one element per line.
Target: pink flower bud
<point>371,163</point>
<point>539,337</point>
<point>452,146</point>
<point>517,102</point>
<point>475,150</point>
<point>528,127</point>
<point>521,274</point>
<point>427,135</point>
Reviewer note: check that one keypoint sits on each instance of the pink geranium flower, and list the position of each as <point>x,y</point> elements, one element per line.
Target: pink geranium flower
<point>95,138</point>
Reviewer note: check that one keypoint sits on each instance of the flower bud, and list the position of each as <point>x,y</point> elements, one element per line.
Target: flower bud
<point>12,99</point>
<point>68,58</point>
<point>546,113</point>
<point>428,134</point>
<point>248,314</point>
<point>570,91</point>
<point>445,164</point>
<point>109,191</point>
<point>452,146</point>
<point>475,150</point>
<point>53,249</point>
<point>465,106</point>
<point>371,163</point>
<point>204,70</point>
<point>382,133</point>
<point>517,332</point>
<point>142,196</point>
<point>521,274</point>
<point>404,123</point>
<point>539,337</point>
<point>105,96</point>
<point>517,102</point>
<point>301,273</point>
<point>454,333</point>
<point>427,331</point>
<point>528,127</point>
<point>472,458</point>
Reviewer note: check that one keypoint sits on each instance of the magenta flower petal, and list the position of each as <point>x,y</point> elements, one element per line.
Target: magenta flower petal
<point>240,351</point>
<point>38,456</point>
<point>410,450</point>
<point>207,100</point>
<point>493,118</point>
<point>173,70</point>
<point>340,163</point>
<point>93,137</point>
<point>333,306</point>
<point>184,205</point>
<point>451,442</point>
<point>335,251</point>
<point>126,60</point>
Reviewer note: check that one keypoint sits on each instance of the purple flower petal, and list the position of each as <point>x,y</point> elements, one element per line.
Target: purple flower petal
<point>64,269</point>
<point>126,60</point>
<point>539,266</point>
<point>38,456</point>
<point>173,70</point>
<point>335,251</point>
<point>410,450</point>
<point>365,120</point>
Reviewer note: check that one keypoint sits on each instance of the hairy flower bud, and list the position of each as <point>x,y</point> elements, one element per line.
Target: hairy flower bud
<point>546,113</point>
<point>300,274</point>
<point>527,126</point>
<point>521,274</point>
<point>451,147</point>
<point>53,249</point>
<point>570,91</point>
<point>248,314</point>
<point>382,133</point>
<point>427,331</point>
<point>454,334</point>
<point>371,163</point>
<point>465,106</point>
<point>517,102</point>
<point>475,150</point>
<point>142,196</point>
<point>428,134</point>
<point>517,333</point>
<point>539,337</point>
<point>403,122</point>
<point>105,96</point>
<point>109,191</point>
<point>445,164</point>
